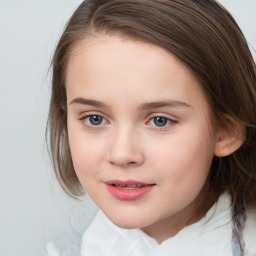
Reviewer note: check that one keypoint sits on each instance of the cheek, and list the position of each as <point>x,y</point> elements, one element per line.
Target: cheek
<point>85,152</point>
<point>183,168</point>
<point>185,158</point>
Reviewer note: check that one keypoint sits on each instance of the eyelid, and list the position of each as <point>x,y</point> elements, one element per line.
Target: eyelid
<point>92,113</point>
<point>168,117</point>
<point>85,115</point>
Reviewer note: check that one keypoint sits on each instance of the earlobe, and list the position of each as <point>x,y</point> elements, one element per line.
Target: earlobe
<point>230,139</point>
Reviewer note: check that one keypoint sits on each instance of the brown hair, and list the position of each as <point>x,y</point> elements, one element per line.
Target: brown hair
<point>205,37</point>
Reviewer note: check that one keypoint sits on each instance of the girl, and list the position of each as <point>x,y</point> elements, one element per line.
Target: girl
<point>153,115</point>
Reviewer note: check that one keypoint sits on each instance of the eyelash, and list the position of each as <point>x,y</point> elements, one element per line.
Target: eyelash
<point>90,125</point>
<point>170,122</point>
<point>83,119</point>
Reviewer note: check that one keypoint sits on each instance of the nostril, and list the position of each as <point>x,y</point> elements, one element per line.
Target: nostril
<point>124,163</point>
<point>131,163</point>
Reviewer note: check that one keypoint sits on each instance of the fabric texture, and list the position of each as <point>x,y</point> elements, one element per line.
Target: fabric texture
<point>210,236</point>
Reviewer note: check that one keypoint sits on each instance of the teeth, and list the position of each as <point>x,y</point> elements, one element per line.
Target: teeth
<point>128,186</point>
<point>134,186</point>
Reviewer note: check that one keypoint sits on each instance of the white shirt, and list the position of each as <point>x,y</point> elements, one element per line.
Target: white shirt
<point>210,236</point>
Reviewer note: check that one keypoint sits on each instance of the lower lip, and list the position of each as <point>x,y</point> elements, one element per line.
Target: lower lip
<point>128,194</point>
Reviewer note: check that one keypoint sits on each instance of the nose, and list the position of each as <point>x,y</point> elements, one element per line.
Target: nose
<point>124,149</point>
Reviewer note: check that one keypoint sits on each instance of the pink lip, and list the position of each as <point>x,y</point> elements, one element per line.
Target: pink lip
<point>126,193</point>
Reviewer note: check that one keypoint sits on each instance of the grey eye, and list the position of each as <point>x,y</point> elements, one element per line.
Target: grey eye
<point>160,121</point>
<point>94,120</point>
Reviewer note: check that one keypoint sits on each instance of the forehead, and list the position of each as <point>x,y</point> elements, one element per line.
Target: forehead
<point>128,69</point>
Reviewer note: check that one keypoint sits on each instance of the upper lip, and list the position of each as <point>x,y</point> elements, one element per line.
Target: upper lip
<point>127,182</point>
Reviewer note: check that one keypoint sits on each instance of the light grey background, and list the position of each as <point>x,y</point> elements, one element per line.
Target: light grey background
<point>33,208</point>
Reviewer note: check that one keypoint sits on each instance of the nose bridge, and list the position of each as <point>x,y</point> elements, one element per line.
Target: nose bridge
<point>124,146</point>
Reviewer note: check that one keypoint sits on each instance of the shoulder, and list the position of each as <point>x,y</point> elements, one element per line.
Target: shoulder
<point>250,233</point>
<point>65,245</point>
<point>68,240</point>
<point>51,250</point>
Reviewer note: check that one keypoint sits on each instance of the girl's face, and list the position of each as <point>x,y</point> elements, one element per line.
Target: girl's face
<point>139,131</point>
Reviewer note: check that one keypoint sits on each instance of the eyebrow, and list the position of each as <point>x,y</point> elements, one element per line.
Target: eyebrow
<point>90,102</point>
<point>143,106</point>
<point>164,103</point>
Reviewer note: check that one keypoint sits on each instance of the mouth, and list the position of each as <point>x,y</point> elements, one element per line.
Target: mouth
<point>128,184</point>
<point>128,190</point>
<point>132,186</point>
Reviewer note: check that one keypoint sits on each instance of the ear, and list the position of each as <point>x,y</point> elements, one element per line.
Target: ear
<point>230,138</point>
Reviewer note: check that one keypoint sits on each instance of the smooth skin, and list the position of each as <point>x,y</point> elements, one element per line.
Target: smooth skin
<point>135,112</point>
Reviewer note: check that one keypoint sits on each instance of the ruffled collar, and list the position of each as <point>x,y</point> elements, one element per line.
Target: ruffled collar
<point>209,236</point>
